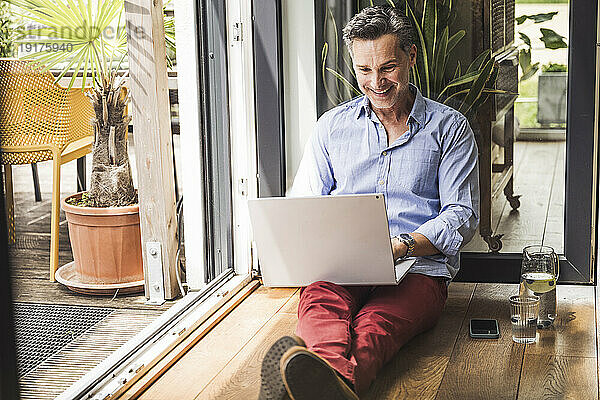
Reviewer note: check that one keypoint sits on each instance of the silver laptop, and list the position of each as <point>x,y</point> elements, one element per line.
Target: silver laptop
<point>342,239</point>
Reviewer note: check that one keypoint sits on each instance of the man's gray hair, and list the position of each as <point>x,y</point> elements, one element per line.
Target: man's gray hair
<point>373,22</point>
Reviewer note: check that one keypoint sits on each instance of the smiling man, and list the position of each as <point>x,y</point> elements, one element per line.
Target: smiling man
<point>422,156</point>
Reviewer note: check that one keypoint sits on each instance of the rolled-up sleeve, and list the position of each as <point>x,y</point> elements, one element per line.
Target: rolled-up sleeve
<point>315,174</point>
<point>458,182</point>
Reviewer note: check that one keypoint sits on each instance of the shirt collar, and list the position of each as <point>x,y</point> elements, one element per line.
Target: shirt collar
<point>417,113</point>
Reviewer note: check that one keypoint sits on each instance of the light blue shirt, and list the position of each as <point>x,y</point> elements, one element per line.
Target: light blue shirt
<point>429,175</point>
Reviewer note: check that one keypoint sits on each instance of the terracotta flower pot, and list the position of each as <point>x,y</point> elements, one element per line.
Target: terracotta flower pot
<point>106,243</point>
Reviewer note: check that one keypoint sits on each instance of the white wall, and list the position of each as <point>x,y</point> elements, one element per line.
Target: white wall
<point>299,79</point>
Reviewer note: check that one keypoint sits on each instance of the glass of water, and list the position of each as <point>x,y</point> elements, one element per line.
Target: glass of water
<point>523,318</point>
<point>539,272</point>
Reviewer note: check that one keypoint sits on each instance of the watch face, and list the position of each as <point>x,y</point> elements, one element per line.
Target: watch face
<point>406,236</point>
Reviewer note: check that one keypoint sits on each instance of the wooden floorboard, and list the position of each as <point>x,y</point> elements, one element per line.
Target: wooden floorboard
<point>487,369</point>
<point>572,333</point>
<point>539,179</point>
<point>417,370</point>
<point>203,363</point>
<point>558,377</point>
<point>240,379</point>
<point>443,363</point>
<point>562,364</point>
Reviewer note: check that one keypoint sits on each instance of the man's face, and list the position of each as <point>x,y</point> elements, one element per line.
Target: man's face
<point>382,69</point>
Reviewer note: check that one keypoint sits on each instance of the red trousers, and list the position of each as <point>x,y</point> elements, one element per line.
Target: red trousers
<point>357,329</point>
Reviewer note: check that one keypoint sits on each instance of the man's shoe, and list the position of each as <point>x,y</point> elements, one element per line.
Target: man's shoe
<point>308,377</point>
<point>271,385</point>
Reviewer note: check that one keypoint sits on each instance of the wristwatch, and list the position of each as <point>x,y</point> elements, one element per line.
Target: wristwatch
<point>409,241</point>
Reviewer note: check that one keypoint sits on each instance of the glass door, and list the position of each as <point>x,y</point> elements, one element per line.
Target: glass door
<point>536,134</point>
<point>215,139</point>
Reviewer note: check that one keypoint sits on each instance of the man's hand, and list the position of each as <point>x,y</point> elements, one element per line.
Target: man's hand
<point>399,249</point>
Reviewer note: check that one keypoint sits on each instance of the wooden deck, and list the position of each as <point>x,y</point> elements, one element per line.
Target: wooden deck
<point>30,254</point>
<point>539,178</point>
<point>444,363</point>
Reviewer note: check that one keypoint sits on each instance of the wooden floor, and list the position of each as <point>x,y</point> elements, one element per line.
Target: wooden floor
<point>539,178</point>
<point>444,363</point>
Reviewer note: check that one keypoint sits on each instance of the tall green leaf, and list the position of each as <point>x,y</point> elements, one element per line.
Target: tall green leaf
<point>422,59</point>
<point>455,39</point>
<point>341,78</point>
<point>460,80</point>
<point>331,96</point>
<point>429,23</point>
<point>477,87</point>
<point>478,61</point>
<point>440,62</point>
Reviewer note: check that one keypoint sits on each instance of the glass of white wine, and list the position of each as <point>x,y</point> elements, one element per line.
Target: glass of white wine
<point>539,272</point>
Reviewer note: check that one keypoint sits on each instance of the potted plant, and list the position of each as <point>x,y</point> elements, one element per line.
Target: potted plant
<point>552,94</point>
<point>552,82</point>
<point>104,221</point>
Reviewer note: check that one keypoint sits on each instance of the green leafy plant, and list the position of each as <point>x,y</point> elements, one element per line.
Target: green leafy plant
<point>169,22</point>
<point>437,74</point>
<point>10,31</point>
<point>554,67</point>
<point>93,34</point>
<point>95,44</point>
<point>550,38</point>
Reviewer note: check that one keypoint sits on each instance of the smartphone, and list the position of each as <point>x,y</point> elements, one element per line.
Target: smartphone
<point>484,329</point>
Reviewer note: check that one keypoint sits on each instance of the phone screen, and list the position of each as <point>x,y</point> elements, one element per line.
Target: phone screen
<point>484,326</point>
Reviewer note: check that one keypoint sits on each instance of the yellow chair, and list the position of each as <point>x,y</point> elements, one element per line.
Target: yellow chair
<point>39,121</point>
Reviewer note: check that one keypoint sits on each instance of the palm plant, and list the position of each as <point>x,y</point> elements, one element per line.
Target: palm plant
<point>465,89</point>
<point>169,22</point>
<point>10,31</point>
<point>95,36</point>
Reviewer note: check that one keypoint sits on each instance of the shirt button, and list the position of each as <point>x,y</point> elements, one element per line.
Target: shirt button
<point>381,182</point>
<point>384,153</point>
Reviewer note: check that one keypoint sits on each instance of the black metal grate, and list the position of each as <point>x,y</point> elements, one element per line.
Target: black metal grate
<point>42,330</point>
<point>508,79</point>
<point>27,242</point>
<point>509,22</point>
<point>497,10</point>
